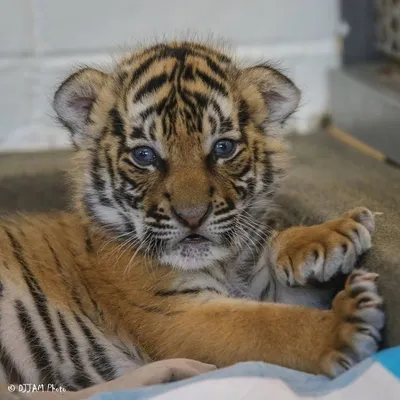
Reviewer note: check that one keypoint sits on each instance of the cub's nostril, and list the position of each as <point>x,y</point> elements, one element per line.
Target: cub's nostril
<point>192,216</point>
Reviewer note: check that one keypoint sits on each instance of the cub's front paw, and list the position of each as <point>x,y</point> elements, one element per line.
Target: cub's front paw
<point>305,254</point>
<point>358,319</point>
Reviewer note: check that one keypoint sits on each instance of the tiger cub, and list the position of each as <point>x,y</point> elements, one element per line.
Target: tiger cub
<point>168,252</point>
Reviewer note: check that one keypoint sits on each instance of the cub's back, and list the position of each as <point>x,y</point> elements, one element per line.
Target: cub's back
<point>48,328</point>
<point>39,251</point>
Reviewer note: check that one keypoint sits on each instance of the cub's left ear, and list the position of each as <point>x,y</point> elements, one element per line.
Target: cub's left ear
<point>74,99</point>
<point>271,97</point>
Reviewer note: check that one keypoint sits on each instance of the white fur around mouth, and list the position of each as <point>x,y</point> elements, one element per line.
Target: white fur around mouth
<point>194,255</point>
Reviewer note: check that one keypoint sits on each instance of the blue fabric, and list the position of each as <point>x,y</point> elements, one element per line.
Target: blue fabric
<point>390,359</point>
<point>294,378</point>
<point>301,383</point>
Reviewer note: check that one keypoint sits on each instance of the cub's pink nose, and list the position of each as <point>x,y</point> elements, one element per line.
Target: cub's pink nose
<point>192,217</point>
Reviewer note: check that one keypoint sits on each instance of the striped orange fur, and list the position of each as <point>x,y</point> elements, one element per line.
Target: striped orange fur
<point>167,251</point>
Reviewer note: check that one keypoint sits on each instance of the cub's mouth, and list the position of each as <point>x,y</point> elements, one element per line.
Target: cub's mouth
<point>194,239</point>
<point>193,251</point>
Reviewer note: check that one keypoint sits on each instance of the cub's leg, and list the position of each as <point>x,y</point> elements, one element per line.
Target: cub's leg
<point>223,331</point>
<point>305,254</point>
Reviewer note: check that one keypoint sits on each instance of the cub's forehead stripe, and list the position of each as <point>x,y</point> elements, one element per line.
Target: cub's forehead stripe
<point>150,86</point>
<point>183,56</point>
<point>166,75</point>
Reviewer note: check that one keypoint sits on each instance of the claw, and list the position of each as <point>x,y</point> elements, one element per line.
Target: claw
<point>369,276</point>
<point>359,275</point>
<point>368,303</point>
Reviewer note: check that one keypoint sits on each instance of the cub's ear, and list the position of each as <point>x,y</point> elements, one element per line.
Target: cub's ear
<point>74,99</point>
<point>270,96</point>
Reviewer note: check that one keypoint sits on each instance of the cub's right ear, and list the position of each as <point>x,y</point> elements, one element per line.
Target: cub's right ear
<point>74,99</point>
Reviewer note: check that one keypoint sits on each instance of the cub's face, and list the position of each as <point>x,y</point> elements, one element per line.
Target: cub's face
<point>177,149</point>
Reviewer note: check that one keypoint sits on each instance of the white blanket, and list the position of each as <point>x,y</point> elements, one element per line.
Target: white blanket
<point>377,378</point>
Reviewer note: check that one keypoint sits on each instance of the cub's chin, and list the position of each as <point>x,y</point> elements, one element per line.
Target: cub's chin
<point>193,253</point>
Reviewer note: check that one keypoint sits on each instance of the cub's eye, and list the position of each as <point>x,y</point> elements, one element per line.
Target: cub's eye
<point>144,156</point>
<point>224,148</point>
